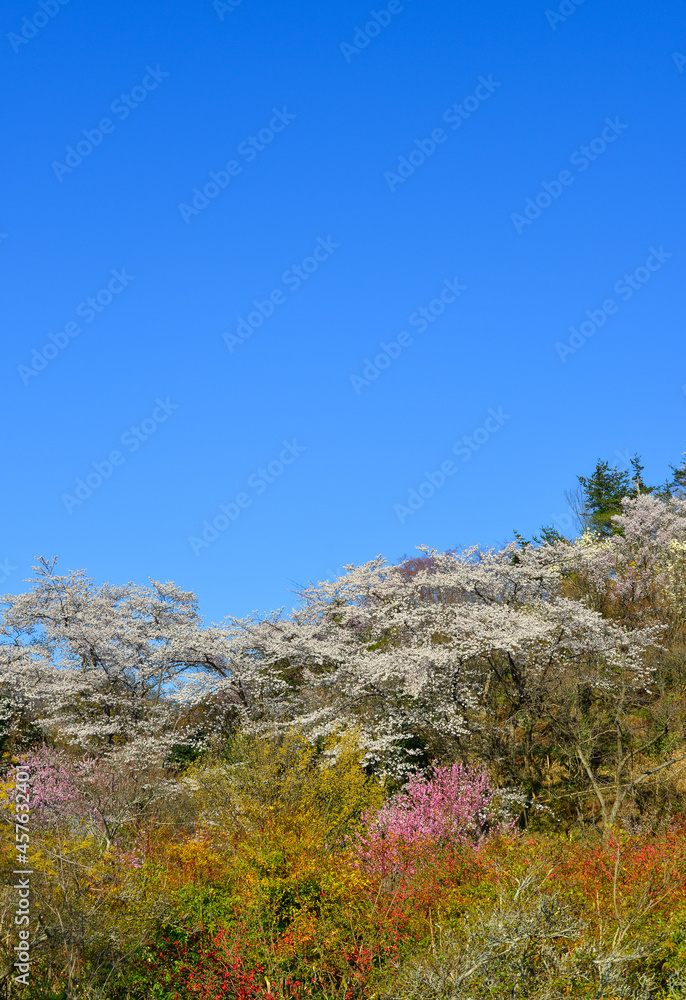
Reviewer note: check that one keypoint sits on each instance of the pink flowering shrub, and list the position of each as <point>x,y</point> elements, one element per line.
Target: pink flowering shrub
<point>453,806</point>
<point>59,784</point>
<point>102,797</point>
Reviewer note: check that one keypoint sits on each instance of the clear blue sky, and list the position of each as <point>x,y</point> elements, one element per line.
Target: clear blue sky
<point>479,106</point>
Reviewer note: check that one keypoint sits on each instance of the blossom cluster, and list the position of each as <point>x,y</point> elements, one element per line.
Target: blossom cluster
<point>392,650</point>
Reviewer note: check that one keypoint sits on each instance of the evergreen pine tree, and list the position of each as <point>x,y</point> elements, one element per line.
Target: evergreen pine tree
<point>678,480</point>
<point>603,493</point>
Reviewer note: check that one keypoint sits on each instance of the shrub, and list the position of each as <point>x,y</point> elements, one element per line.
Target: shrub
<point>284,782</point>
<point>452,806</point>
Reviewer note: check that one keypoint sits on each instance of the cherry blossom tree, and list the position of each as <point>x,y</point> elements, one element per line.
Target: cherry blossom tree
<point>465,651</point>
<point>477,654</point>
<point>637,577</point>
<point>638,574</point>
<point>102,666</point>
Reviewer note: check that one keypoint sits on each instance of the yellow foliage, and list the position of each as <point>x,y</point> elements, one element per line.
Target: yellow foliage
<point>283,782</point>
<point>195,860</point>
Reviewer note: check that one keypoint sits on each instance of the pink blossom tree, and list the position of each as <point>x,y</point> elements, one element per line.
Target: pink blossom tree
<point>451,806</point>
<point>100,798</point>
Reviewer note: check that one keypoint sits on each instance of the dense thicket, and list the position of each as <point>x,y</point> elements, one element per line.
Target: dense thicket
<point>183,775</point>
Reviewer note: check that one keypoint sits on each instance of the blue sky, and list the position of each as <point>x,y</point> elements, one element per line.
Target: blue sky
<point>460,183</point>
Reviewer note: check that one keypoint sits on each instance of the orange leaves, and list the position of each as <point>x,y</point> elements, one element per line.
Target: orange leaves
<point>299,921</point>
<point>631,880</point>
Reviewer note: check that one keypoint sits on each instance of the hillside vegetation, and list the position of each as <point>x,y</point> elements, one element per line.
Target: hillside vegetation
<point>458,777</point>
